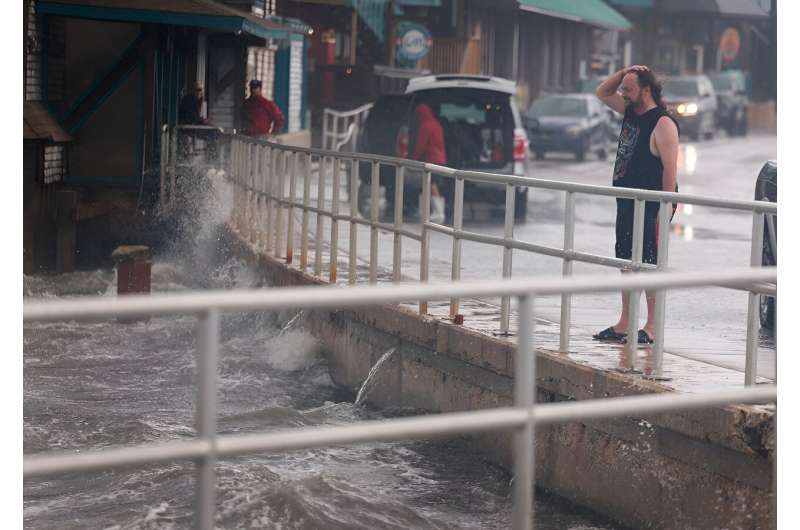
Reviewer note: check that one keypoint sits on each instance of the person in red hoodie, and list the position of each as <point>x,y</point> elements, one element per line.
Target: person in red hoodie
<point>262,116</point>
<point>429,147</point>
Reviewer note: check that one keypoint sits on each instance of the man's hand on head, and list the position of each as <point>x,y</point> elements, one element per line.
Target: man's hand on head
<point>638,68</point>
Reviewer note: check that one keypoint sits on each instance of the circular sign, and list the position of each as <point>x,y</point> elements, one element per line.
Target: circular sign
<point>729,44</point>
<point>413,41</point>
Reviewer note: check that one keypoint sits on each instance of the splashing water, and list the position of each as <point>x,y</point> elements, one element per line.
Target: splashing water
<point>367,385</point>
<point>196,225</point>
<point>292,323</point>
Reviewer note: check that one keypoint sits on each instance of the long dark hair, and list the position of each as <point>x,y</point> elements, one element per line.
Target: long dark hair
<point>647,78</point>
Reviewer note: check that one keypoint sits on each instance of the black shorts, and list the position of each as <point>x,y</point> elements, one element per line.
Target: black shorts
<point>624,244</point>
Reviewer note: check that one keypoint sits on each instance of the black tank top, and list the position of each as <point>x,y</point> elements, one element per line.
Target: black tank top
<point>636,166</point>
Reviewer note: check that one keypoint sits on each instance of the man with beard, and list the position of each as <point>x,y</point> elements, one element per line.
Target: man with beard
<point>647,158</point>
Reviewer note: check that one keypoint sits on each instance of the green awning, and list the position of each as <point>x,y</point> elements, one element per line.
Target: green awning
<point>595,12</point>
<point>373,13</point>
<point>200,14</point>
<point>428,3</point>
<point>644,4</point>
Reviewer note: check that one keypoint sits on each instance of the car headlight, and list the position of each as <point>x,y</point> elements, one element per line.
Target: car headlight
<point>573,130</point>
<point>687,109</point>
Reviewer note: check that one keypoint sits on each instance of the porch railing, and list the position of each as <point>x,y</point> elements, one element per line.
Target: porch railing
<point>272,181</point>
<point>341,127</point>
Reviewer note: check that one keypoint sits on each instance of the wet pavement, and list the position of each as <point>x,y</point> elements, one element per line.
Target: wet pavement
<point>705,328</point>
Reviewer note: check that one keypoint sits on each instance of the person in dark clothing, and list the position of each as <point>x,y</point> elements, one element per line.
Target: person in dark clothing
<point>263,117</point>
<point>647,158</point>
<point>190,106</point>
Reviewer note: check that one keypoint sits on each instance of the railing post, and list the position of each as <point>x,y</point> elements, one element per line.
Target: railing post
<point>398,223</point>
<point>566,271</point>
<point>173,162</point>
<point>246,191</point>
<point>756,250</point>
<point>162,170</point>
<point>263,218</point>
<point>241,187</point>
<point>425,234</point>
<point>355,167</point>
<point>508,254</point>
<point>775,330</point>
<point>524,437</point>
<point>319,235</point>
<point>458,218</point>
<point>290,215</point>
<point>235,182</point>
<point>635,296</point>
<point>334,253</point>
<point>272,164</point>
<point>258,197</point>
<point>324,129</point>
<point>306,206</point>
<point>207,358</point>
<point>255,197</point>
<point>247,195</point>
<point>252,178</point>
<point>280,186</point>
<point>664,214</point>
<point>373,236</point>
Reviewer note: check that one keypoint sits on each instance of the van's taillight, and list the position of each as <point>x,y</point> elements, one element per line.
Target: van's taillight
<point>402,143</point>
<point>520,145</point>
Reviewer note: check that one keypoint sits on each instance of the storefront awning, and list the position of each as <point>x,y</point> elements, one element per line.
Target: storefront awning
<point>642,4</point>
<point>729,8</point>
<point>196,13</point>
<point>594,12</point>
<point>428,3</point>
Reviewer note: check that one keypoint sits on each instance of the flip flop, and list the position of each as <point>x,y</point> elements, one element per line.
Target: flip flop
<point>610,335</point>
<point>644,338</point>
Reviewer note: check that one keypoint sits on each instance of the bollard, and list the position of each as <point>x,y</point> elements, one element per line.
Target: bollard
<point>133,272</point>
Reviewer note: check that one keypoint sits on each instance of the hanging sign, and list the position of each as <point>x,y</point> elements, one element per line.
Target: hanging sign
<point>413,41</point>
<point>729,44</point>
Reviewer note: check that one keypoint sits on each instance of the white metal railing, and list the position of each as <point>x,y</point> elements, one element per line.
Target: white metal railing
<point>259,171</point>
<point>341,127</point>
<point>523,417</point>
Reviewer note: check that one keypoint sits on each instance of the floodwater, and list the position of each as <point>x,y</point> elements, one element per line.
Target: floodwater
<point>107,384</point>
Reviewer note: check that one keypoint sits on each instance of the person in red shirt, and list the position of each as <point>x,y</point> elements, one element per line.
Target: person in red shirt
<point>262,116</point>
<point>429,147</point>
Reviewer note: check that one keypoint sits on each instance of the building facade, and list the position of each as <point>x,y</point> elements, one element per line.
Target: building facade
<point>111,75</point>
